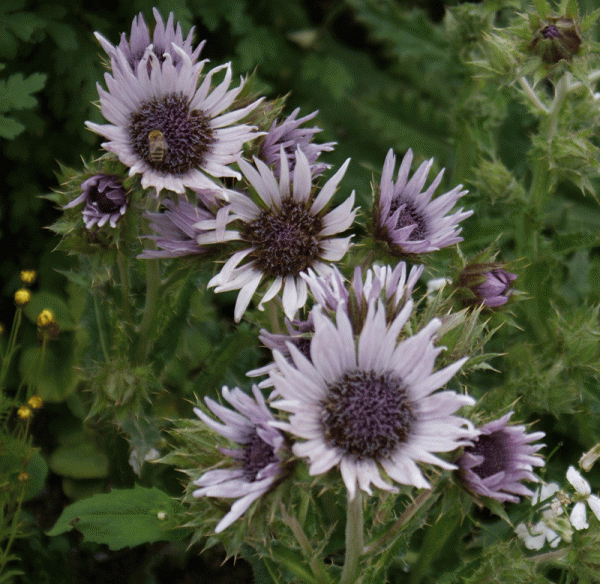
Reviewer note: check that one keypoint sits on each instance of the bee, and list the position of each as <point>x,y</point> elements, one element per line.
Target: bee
<point>158,145</point>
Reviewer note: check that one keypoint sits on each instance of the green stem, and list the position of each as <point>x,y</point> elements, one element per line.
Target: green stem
<point>14,528</point>
<point>124,277</point>
<point>354,539</point>
<point>150,309</point>
<point>10,347</point>
<point>100,329</point>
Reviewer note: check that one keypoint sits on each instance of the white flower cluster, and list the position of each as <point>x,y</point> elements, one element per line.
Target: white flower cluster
<point>554,526</point>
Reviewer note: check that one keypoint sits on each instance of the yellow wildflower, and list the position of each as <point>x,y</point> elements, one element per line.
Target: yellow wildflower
<point>24,412</point>
<point>45,318</point>
<point>28,276</point>
<point>35,402</point>
<point>23,476</point>
<point>22,297</point>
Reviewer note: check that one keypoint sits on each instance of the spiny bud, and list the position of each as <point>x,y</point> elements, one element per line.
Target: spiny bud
<point>489,284</point>
<point>556,38</point>
<point>22,297</point>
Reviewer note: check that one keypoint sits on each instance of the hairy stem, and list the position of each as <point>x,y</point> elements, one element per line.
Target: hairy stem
<point>354,539</point>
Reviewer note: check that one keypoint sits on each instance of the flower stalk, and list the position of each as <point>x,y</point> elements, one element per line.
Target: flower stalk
<point>354,539</point>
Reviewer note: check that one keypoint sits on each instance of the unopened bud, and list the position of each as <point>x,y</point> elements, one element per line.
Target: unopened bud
<point>22,297</point>
<point>556,38</point>
<point>28,276</point>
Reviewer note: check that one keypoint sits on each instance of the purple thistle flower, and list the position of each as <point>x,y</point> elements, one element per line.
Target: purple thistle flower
<point>166,128</point>
<point>331,291</point>
<point>289,135</point>
<point>259,460</point>
<point>379,282</point>
<point>105,200</point>
<point>368,403</point>
<point>406,218</point>
<point>287,233</point>
<point>489,283</point>
<point>165,35</point>
<point>176,229</point>
<point>495,291</point>
<point>499,460</point>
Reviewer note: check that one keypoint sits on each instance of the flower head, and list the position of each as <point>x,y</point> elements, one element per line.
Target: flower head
<point>289,135</point>
<point>35,402</point>
<point>22,297</point>
<point>392,285</point>
<point>175,231</point>
<point>500,458</point>
<point>28,276</point>
<point>287,233</point>
<point>584,495</point>
<point>166,128</point>
<point>105,200</point>
<point>556,38</point>
<point>24,412</point>
<point>536,535</point>
<point>406,218</point>
<point>165,35</point>
<point>368,404</point>
<point>489,283</point>
<point>259,460</point>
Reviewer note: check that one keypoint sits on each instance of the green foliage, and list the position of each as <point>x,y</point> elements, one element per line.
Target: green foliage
<point>15,94</point>
<point>123,517</point>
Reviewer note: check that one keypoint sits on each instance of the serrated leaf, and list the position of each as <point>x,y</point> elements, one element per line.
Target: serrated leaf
<point>15,92</point>
<point>10,128</point>
<point>122,518</point>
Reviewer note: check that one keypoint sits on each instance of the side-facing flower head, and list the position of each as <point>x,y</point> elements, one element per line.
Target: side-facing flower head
<point>285,234</point>
<point>489,283</point>
<point>291,136</point>
<point>406,218</point>
<point>166,128</point>
<point>392,285</point>
<point>175,231</point>
<point>367,404</point>
<point>259,460</point>
<point>105,200</point>
<point>165,35</point>
<point>330,291</point>
<point>500,458</point>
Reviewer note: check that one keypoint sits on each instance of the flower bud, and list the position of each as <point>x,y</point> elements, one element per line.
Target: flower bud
<point>105,200</point>
<point>22,297</point>
<point>24,412</point>
<point>488,283</point>
<point>28,276</point>
<point>35,402</point>
<point>45,318</point>
<point>556,38</point>
<point>47,326</point>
